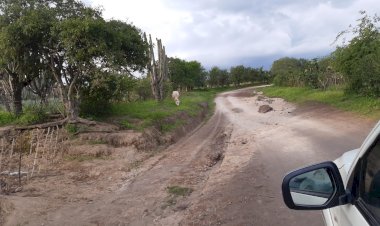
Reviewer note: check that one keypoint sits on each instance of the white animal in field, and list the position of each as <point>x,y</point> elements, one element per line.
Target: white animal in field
<point>175,96</point>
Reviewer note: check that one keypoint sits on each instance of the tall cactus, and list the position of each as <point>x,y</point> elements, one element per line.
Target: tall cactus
<point>157,70</point>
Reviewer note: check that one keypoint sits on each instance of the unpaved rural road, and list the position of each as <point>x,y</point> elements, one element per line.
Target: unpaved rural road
<point>234,163</point>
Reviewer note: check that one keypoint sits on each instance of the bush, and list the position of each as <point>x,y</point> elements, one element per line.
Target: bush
<point>102,91</point>
<point>359,61</point>
<point>143,89</point>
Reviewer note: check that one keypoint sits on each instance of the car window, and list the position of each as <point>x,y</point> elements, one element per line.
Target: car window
<point>370,189</point>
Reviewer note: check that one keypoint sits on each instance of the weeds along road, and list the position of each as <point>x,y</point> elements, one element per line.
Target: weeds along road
<point>233,164</point>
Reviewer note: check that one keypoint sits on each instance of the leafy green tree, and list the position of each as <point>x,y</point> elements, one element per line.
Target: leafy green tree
<point>359,59</point>
<point>237,74</point>
<point>186,75</point>
<point>83,44</point>
<point>25,27</point>
<point>289,71</point>
<point>67,40</point>
<point>177,72</point>
<point>195,74</point>
<point>263,76</point>
<point>224,78</point>
<point>214,76</point>
<point>251,75</point>
<point>218,77</point>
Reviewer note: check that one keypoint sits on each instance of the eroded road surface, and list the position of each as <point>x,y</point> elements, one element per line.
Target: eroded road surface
<point>233,164</point>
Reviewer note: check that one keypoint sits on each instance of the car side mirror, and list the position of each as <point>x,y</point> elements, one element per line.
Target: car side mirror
<point>314,187</point>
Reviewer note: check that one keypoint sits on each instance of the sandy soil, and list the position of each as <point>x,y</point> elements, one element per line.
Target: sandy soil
<point>233,164</point>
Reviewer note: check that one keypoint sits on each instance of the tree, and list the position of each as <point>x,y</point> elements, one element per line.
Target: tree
<point>186,75</point>
<point>289,71</point>
<point>177,72</point>
<point>224,78</point>
<point>24,32</point>
<point>251,75</point>
<point>194,75</point>
<point>83,43</point>
<point>218,77</point>
<point>237,74</point>
<point>214,77</point>
<point>263,75</point>
<point>359,60</point>
<point>66,40</point>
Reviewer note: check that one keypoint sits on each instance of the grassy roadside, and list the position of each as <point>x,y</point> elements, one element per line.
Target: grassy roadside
<point>142,114</point>
<point>366,106</point>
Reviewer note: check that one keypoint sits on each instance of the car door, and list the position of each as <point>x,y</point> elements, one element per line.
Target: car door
<point>364,185</point>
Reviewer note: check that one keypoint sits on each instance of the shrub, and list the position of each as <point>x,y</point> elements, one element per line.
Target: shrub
<point>359,59</point>
<point>143,89</point>
<point>102,91</point>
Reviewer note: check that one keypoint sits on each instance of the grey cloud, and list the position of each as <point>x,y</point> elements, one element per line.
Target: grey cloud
<point>254,6</point>
<point>231,32</point>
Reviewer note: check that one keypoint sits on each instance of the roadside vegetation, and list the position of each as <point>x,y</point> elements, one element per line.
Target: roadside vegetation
<point>102,69</point>
<point>139,115</point>
<point>80,65</point>
<point>349,78</point>
<point>366,106</point>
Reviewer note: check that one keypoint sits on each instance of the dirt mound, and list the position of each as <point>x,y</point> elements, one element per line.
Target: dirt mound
<point>115,139</point>
<point>89,150</point>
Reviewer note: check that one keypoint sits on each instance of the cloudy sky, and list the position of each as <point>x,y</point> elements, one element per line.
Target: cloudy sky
<point>250,32</point>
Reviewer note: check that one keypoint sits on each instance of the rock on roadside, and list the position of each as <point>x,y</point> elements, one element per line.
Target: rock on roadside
<point>265,109</point>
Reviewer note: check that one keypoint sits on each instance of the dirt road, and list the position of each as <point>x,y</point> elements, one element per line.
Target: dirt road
<point>232,167</point>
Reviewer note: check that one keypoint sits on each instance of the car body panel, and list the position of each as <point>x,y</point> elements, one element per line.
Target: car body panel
<point>345,162</point>
<point>366,145</point>
<point>346,215</point>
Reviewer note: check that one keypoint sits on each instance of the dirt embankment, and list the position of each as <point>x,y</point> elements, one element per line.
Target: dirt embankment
<point>77,168</point>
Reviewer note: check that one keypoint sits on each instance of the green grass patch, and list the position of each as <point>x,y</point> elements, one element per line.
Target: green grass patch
<point>6,118</point>
<point>27,118</point>
<point>179,191</point>
<point>31,115</point>
<point>142,114</point>
<point>165,127</point>
<point>366,106</point>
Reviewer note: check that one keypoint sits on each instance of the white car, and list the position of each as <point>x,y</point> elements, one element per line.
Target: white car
<point>347,190</point>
